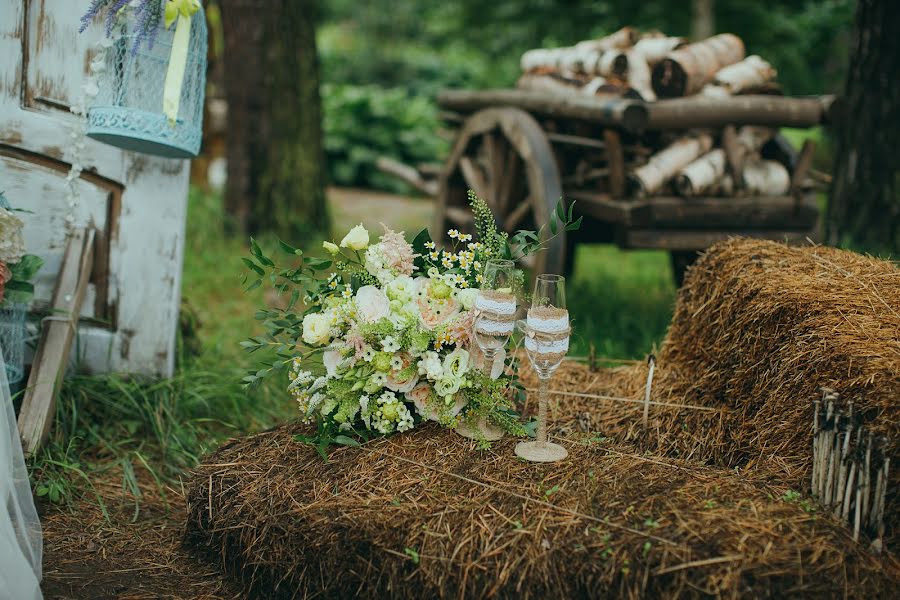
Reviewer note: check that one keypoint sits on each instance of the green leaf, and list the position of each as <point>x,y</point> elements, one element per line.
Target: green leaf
<point>287,247</point>
<point>343,440</point>
<point>254,285</point>
<point>253,266</point>
<point>413,555</point>
<point>27,268</point>
<point>560,211</point>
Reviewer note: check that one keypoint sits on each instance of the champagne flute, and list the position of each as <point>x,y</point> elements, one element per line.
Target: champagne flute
<point>546,343</point>
<point>495,308</point>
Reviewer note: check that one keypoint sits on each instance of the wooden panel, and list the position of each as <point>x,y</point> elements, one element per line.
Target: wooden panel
<point>699,240</point>
<point>56,55</point>
<point>35,184</point>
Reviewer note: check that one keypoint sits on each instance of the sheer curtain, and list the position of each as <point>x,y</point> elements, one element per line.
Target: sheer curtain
<point>20,529</point>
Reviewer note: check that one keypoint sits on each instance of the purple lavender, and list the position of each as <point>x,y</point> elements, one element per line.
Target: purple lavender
<point>148,18</point>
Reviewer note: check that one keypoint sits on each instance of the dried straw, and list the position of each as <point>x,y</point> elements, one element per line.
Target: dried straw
<point>693,504</point>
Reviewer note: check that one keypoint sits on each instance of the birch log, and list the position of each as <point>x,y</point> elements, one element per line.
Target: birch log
<point>702,175</point>
<point>655,49</point>
<point>686,70</point>
<point>765,178</point>
<point>664,165</point>
<point>638,75</point>
<point>623,38</point>
<point>751,72</point>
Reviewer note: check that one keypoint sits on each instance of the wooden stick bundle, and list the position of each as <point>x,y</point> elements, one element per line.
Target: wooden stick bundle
<point>845,461</point>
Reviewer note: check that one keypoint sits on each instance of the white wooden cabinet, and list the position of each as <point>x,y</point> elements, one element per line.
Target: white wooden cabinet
<point>137,203</point>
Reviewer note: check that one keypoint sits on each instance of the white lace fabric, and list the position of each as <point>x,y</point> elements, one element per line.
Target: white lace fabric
<point>21,543</point>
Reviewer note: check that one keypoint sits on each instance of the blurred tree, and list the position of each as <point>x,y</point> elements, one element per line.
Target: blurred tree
<point>703,23</point>
<point>276,162</point>
<point>865,197</point>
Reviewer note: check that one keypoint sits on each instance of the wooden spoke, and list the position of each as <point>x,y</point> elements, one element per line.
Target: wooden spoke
<point>518,213</point>
<point>473,176</point>
<point>509,180</point>
<point>460,216</point>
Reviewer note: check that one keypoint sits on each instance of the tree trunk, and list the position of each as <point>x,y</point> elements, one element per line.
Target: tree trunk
<point>703,19</point>
<point>276,162</point>
<point>865,208</point>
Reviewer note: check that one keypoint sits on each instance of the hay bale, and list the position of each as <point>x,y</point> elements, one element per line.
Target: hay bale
<point>424,515</point>
<point>757,329</point>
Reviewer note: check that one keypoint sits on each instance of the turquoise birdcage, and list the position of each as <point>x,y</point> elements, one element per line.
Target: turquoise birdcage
<point>128,109</point>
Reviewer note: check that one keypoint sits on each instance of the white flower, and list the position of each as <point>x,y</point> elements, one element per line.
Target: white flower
<point>316,329</point>
<point>401,288</point>
<point>371,304</point>
<point>467,298</point>
<point>389,344</point>
<point>331,248</point>
<point>378,379</point>
<point>430,366</point>
<point>356,239</point>
<point>369,353</point>
<point>12,244</point>
<point>447,386</point>
<point>456,364</point>
<point>396,363</point>
<point>332,360</point>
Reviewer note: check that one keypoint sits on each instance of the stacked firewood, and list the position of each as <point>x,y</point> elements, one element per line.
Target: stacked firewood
<point>705,160</point>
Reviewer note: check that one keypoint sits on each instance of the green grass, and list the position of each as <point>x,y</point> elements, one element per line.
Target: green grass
<point>129,429</point>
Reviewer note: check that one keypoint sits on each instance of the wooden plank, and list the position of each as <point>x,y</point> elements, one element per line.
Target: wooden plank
<point>575,140</point>
<point>629,114</point>
<point>601,206</point>
<point>52,355</point>
<point>669,239</point>
<point>615,156</point>
<point>734,155</point>
<point>757,212</point>
<point>801,169</point>
<point>768,111</point>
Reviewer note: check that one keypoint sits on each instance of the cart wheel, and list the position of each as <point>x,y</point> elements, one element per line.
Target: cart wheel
<point>503,155</point>
<point>681,260</point>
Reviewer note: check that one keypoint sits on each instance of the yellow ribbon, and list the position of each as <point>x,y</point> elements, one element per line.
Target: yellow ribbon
<point>180,11</point>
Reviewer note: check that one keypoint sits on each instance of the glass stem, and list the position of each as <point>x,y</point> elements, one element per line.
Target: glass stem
<point>488,361</point>
<point>542,410</point>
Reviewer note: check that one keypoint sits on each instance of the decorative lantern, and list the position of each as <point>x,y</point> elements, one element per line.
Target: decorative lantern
<point>137,83</point>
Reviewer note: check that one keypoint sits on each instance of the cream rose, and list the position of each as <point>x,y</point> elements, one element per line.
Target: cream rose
<point>356,239</point>
<point>372,304</point>
<point>467,297</point>
<point>331,359</point>
<point>330,247</point>
<point>316,329</point>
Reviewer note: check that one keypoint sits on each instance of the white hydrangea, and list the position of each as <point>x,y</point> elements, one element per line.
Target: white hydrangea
<point>377,266</point>
<point>12,244</point>
<point>430,366</point>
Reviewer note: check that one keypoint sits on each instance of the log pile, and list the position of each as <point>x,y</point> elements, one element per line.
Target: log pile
<point>711,119</point>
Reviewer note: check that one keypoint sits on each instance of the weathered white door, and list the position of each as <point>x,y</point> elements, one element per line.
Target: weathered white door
<point>136,203</point>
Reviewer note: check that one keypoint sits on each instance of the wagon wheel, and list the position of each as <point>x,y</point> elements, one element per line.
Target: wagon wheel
<point>503,155</point>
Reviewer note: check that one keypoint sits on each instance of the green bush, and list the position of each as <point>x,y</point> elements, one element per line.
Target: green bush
<point>365,122</point>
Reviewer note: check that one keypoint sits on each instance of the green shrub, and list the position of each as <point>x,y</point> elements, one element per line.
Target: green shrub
<point>365,122</point>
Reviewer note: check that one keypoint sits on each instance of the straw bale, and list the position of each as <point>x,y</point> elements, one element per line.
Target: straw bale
<point>403,518</point>
<point>697,505</point>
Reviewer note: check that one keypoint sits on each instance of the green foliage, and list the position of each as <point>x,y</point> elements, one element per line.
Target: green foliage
<point>365,122</point>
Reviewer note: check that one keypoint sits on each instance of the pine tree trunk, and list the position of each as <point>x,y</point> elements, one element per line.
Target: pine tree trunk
<point>865,198</point>
<point>276,161</point>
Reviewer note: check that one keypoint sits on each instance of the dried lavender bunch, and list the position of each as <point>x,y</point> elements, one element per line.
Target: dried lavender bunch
<point>148,18</point>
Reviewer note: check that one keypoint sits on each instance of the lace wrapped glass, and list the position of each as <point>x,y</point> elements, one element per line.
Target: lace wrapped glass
<point>128,109</point>
<point>12,339</point>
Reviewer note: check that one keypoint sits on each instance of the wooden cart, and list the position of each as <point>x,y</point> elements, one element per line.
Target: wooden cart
<point>522,151</point>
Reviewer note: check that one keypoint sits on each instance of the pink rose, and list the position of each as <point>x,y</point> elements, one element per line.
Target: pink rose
<point>372,304</point>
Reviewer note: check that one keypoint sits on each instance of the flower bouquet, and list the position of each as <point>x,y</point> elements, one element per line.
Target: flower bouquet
<point>384,342</point>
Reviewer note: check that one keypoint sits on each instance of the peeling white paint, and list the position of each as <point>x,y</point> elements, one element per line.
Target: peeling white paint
<point>146,236</point>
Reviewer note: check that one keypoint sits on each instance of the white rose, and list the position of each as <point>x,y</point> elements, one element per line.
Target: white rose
<point>447,386</point>
<point>430,366</point>
<point>456,363</point>
<point>467,297</point>
<point>331,248</point>
<point>12,244</point>
<point>401,288</point>
<point>372,304</point>
<point>356,239</point>
<point>316,329</point>
<point>331,359</point>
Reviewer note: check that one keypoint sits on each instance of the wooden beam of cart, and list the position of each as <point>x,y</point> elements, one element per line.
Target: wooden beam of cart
<point>615,112</point>
<point>763,110</point>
